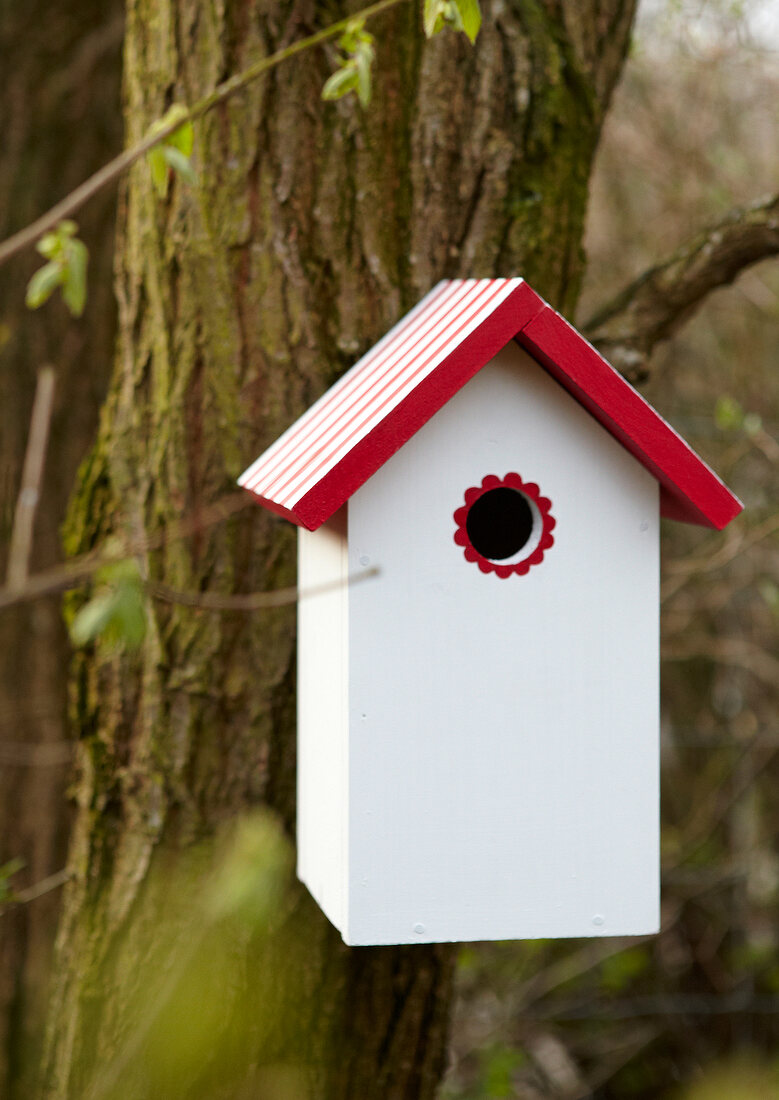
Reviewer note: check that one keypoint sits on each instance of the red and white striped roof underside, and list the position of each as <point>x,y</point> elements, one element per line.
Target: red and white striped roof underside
<point>316,465</point>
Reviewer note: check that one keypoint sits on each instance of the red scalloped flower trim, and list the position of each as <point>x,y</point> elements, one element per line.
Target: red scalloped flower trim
<point>532,492</point>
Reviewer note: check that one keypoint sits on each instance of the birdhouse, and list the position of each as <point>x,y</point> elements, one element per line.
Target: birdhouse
<point>478,718</point>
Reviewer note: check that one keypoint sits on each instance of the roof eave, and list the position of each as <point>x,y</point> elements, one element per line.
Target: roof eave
<point>690,491</point>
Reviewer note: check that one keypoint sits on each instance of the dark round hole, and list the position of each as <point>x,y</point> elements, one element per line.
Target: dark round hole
<point>499,523</point>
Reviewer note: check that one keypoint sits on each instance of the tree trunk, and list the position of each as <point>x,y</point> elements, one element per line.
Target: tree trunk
<point>311,229</point>
<point>59,105</point>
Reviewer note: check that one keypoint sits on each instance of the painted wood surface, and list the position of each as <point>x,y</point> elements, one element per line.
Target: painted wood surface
<point>689,490</point>
<point>315,466</point>
<point>421,363</point>
<point>503,757</point>
<point>323,718</point>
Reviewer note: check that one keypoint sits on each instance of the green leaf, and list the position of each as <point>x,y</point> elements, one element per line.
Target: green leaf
<point>728,414</point>
<point>458,15</point>
<point>363,59</point>
<point>251,874</point>
<point>92,619</point>
<point>74,282</point>
<point>67,268</point>
<point>117,613</point>
<point>354,73</point>
<point>116,572</point>
<point>173,114</point>
<point>431,17</point>
<point>452,17</point>
<point>179,163</point>
<point>340,83</point>
<point>159,170</point>
<point>182,139</point>
<point>354,34</point>
<point>470,14</point>
<point>42,284</point>
<point>49,245</point>
<point>173,151</point>
<point>128,625</point>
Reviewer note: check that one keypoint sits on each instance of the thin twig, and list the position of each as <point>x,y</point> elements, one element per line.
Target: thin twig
<point>119,165</point>
<point>253,601</point>
<point>684,569</point>
<point>727,651</point>
<point>45,886</point>
<point>79,569</point>
<point>32,473</point>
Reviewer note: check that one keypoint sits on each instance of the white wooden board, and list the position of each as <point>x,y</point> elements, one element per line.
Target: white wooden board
<point>503,757</point>
<point>323,717</point>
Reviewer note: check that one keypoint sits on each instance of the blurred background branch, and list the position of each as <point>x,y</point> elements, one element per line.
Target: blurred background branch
<point>660,300</point>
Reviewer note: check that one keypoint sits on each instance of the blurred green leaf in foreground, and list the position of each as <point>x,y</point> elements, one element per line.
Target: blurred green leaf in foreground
<point>195,1009</point>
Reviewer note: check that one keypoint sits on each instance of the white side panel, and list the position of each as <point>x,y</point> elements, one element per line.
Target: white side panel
<point>504,756</point>
<point>323,734</point>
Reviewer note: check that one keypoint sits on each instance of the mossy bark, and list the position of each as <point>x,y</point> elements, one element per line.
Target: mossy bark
<point>311,229</point>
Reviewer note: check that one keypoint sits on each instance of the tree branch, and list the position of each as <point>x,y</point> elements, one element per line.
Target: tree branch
<point>660,300</point>
<point>62,577</point>
<point>252,601</point>
<point>119,165</point>
<point>32,893</point>
<point>32,473</point>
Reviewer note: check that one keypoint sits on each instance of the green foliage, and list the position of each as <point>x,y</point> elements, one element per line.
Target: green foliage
<point>249,880</point>
<point>740,1079</point>
<point>357,45</point>
<point>7,871</point>
<point>495,1076</point>
<point>173,153</point>
<point>498,1065</point>
<point>354,71</point>
<point>729,416</point>
<point>769,590</point>
<point>217,976</point>
<point>467,960</point>
<point>67,268</point>
<point>620,970</point>
<point>116,613</point>
<point>459,15</point>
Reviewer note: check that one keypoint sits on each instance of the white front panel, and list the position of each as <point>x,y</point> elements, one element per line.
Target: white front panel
<point>322,766</point>
<point>503,767</point>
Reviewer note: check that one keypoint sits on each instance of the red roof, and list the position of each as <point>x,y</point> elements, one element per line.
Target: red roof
<point>316,465</point>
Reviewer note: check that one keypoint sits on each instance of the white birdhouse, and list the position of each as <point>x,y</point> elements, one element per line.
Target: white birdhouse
<point>478,722</point>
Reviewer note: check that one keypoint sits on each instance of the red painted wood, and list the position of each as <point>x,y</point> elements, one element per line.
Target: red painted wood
<point>690,490</point>
<point>371,452</point>
<point>279,509</point>
<point>548,523</point>
<point>411,350</point>
<point>353,420</point>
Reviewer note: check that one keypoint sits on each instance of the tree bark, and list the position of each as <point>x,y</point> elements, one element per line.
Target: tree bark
<point>311,229</point>
<point>60,111</point>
